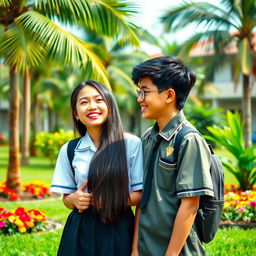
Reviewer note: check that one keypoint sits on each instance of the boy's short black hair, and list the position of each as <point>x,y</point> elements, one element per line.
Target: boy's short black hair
<point>167,72</point>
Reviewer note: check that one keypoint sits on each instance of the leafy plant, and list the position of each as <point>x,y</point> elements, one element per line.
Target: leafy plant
<point>50,143</point>
<point>202,116</point>
<point>232,138</point>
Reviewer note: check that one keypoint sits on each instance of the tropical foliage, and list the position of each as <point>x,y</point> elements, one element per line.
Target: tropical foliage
<point>29,33</point>
<point>202,116</point>
<point>231,138</point>
<point>229,23</point>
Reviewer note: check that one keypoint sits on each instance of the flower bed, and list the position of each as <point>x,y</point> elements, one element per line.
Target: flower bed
<point>37,189</point>
<point>20,221</point>
<point>239,206</point>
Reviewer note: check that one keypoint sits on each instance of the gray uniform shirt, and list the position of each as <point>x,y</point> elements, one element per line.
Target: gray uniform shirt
<point>188,177</point>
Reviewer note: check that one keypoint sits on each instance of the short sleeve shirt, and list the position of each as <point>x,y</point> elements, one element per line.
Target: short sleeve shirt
<point>65,181</point>
<point>188,177</point>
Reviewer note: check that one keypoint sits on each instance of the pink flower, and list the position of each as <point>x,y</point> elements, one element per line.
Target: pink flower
<point>253,204</point>
<point>2,224</point>
<point>241,210</point>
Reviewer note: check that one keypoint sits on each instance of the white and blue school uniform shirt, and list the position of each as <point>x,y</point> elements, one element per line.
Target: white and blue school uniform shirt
<point>65,181</point>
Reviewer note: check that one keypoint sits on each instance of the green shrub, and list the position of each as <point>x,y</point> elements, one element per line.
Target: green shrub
<point>203,116</point>
<point>231,137</point>
<point>49,144</point>
<point>3,140</point>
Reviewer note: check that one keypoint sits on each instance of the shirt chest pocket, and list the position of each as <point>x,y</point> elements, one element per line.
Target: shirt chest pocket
<point>166,175</point>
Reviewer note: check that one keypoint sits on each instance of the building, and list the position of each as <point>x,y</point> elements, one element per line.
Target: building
<point>226,94</point>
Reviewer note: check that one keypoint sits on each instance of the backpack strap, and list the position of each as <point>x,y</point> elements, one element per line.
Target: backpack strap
<point>179,137</point>
<point>71,151</point>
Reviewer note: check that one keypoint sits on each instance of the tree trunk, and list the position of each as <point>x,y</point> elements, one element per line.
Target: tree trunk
<point>13,174</point>
<point>26,118</point>
<point>56,126</point>
<point>50,120</point>
<point>247,110</point>
<point>132,122</point>
<point>35,124</point>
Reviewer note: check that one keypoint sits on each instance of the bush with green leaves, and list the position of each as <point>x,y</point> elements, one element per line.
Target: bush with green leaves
<point>49,144</point>
<point>3,140</point>
<point>231,137</point>
<point>203,116</point>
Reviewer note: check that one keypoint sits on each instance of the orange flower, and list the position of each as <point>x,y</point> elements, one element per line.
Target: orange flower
<point>30,224</point>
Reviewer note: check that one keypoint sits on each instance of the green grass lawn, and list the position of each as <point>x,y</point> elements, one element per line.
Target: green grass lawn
<point>39,168</point>
<point>235,242</point>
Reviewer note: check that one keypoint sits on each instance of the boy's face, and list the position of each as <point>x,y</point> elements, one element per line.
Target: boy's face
<point>154,103</point>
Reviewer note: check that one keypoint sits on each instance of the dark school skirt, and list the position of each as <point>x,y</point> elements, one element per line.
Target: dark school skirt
<point>85,235</point>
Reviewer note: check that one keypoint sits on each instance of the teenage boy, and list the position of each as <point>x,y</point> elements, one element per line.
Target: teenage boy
<point>171,189</point>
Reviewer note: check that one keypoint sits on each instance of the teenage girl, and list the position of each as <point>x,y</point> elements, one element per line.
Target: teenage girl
<point>106,181</point>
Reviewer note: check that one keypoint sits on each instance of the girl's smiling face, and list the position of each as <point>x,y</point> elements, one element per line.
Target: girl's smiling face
<point>91,108</point>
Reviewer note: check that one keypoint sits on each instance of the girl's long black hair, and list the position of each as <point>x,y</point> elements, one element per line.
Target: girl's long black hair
<point>108,174</point>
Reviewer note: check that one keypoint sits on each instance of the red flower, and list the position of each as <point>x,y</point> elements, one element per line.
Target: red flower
<point>20,211</point>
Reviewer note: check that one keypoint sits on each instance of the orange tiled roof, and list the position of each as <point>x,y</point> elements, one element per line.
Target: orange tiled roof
<point>205,48</point>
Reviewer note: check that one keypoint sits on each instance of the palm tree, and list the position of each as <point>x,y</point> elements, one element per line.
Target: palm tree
<point>28,33</point>
<point>238,17</point>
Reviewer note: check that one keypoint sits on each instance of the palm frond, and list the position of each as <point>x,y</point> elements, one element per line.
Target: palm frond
<point>111,18</point>
<point>5,3</point>
<point>19,48</point>
<point>64,46</point>
<point>200,12</point>
<point>122,79</point>
<point>145,35</point>
<point>4,81</point>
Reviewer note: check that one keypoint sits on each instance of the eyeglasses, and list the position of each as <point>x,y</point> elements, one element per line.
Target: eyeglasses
<point>142,94</point>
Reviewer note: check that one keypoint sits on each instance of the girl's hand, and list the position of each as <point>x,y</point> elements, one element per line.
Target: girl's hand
<point>134,253</point>
<point>82,200</point>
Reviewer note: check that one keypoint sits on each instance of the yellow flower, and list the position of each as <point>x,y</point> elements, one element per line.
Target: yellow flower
<point>50,142</point>
<point>37,191</point>
<point>39,217</point>
<point>22,229</point>
<point>11,218</point>
<point>19,223</point>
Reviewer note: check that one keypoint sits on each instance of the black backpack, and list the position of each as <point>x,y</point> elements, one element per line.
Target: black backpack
<point>71,151</point>
<point>210,208</point>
